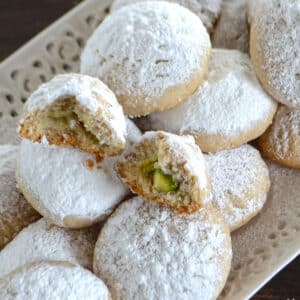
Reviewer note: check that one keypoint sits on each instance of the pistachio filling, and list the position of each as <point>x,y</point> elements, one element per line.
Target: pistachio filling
<point>161,182</point>
<point>62,119</point>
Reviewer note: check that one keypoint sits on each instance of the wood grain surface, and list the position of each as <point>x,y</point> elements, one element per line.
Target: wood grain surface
<point>20,20</point>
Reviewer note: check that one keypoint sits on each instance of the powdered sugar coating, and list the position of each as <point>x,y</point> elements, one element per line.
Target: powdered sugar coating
<point>86,89</point>
<point>145,49</point>
<point>15,212</point>
<point>274,48</point>
<point>65,181</point>
<point>148,252</point>
<point>240,182</point>
<point>61,182</point>
<point>230,102</point>
<point>231,30</point>
<point>44,241</point>
<point>52,280</point>
<point>207,10</point>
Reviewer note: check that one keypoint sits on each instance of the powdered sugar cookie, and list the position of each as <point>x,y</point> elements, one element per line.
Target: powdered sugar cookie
<point>153,55</point>
<point>230,109</point>
<point>71,187</point>
<point>274,48</point>
<point>240,183</point>
<point>77,110</point>
<point>231,30</point>
<point>44,241</point>
<point>281,142</point>
<point>52,280</point>
<point>167,169</point>
<point>207,10</point>
<point>147,252</point>
<point>15,212</point>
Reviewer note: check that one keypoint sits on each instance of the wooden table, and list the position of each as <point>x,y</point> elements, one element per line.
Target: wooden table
<point>20,20</point>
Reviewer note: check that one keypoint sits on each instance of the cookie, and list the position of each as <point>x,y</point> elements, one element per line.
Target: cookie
<point>76,110</point>
<point>207,11</point>
<point>240,183</point>
<point>15,212</point>
<point>274,48</point>
<point>231,30</point>
<point>44,241</point>
<point>70,187</point>
<point>153,55</point>
<point>168,170</point>
<point>52,280</point>
<point>230,109</point>
<point>147,252</point>
<point>281,142</point>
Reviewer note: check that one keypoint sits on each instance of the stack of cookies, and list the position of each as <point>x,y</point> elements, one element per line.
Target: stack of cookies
<point>166,196</point>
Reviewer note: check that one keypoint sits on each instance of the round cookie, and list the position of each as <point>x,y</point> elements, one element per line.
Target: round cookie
<point>15,212</point>
<point>240,183</point>
<point>44,241</point>
<point>274,48</point>
<point>281,142</point>
<point>147,252</point>
<point>230,109</point>
<point>70,187</point>
<point>77,110</point>
<point>207,11</point>
<point>167,169</point>
<point>231,30</point>
<point>153,55</point>
<point>52,280</point>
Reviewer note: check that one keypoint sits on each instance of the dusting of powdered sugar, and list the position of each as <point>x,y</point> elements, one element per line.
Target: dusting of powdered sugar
<point>237,178</point>
<point>148,252</point>
<point>85,89</point>
<point>145,48</point>
<point>284,134</point>
<point>231,30</point>
<point>230,102</point>
<point>207,10</point>
<point>53,280</point>
<point>62,183</point>
<point>15,212</point>
<point>44,241</point>
<point>275,44</point>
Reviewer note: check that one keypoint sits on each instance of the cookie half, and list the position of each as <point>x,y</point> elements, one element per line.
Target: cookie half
<point>240,184</point>
<point>15,212</point>
<point>75,110</point>
<point>228,110</point>
<point>168,170</point>
<point>153,55</point>
<point>281,142</point>
<point>52,280</point>
<point>147,252</point>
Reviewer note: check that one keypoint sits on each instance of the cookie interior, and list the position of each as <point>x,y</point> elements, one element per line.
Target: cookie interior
<point>66,122</point>
<point>163,184</point>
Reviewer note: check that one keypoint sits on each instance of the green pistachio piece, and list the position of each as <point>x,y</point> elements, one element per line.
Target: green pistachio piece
<point>163,182</point>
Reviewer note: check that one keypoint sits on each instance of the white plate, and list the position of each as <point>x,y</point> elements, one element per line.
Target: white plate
<point>261,248</point>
